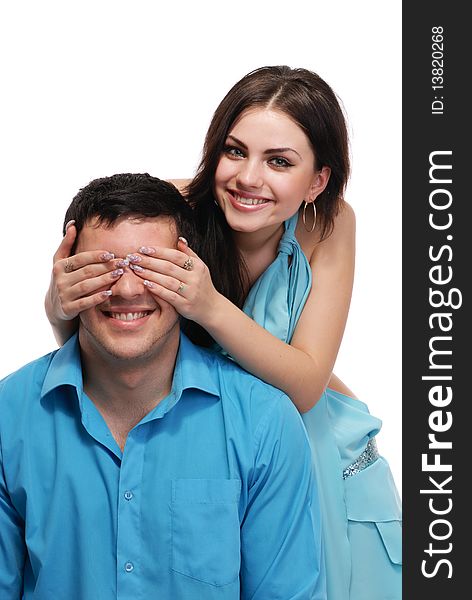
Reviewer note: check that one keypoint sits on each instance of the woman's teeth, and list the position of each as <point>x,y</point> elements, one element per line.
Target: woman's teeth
<point>128,316</point>
<point>249,201</point>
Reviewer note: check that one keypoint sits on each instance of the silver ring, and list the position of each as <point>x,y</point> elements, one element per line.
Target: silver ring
<point>181,288</point>
<point>68,267</point>
<point>188,264</point>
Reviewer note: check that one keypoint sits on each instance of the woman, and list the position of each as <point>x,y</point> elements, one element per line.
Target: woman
<point>268,197</point>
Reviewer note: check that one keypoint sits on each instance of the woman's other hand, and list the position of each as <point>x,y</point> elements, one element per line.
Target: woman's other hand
<point>179,277</point>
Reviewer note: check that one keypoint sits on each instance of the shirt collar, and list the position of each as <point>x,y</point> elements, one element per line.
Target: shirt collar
<point>65,368</point>
<point>194,368</point>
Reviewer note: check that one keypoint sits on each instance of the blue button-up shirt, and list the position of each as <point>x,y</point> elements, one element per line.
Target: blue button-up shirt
<point>211,497</point>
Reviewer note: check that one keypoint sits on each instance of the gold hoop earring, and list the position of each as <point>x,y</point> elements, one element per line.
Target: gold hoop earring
<point>309,229</point>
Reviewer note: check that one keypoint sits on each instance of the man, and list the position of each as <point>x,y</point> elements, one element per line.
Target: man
<point>136,465</point>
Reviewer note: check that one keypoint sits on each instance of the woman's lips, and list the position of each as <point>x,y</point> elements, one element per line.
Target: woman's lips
<point>247,202</point>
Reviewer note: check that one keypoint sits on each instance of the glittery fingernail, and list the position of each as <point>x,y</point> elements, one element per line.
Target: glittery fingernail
<point>134,258</point>
<point>148,284</point>
<point>107,256</point>
<point>147,250</point>
<point>182,239</point>
<point>69,223</point>
<point>123,262</point>
<point>117,273</point>
<point>136,268</point>
<point>107,293</point>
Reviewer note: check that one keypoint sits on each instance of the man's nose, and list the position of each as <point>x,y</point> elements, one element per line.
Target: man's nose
<point>129,285</point>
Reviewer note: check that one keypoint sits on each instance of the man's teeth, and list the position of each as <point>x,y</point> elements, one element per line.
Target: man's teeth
<point>250,201</point>
<point>128,316</point>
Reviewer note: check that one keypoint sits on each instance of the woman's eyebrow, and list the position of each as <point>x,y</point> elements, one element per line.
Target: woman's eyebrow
<point>268,151</point>
<point>277,150</point>
<point>239,142</point>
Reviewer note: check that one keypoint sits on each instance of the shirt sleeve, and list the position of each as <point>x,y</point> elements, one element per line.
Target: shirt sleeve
<point>12,545</point>
<point>280,534</point>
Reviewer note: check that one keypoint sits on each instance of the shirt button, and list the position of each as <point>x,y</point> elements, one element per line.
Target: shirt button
<point>128,495</point>
<point>129,567</point>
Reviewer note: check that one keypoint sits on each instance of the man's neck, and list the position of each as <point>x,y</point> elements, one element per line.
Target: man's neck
<point>125,391</point>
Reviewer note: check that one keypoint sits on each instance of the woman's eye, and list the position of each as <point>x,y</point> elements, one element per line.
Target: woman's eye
<point>233,151</point>
<point>278,161</point>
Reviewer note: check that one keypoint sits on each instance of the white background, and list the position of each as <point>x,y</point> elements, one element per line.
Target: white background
<point>95,88</point>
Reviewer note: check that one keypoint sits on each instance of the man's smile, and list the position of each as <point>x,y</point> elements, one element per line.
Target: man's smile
<point>127,316</point>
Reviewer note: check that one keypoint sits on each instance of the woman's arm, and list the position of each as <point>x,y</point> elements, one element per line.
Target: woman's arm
<point>302,369</point>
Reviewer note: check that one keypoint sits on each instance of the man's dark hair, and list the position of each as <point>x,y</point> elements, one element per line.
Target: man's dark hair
<point>131,194</point>
<point>140,195</point>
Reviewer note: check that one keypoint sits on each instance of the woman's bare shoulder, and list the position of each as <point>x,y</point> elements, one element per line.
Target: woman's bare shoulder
<point>344,227</point>
<point>346,217</point>
<point>180,184</point>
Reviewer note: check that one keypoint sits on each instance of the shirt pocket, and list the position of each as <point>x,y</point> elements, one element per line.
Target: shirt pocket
<point>371,496</point>
<point>206,529</point>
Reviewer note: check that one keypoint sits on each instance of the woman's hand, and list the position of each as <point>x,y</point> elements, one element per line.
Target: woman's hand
<point>78,282</point>
<point>179,277</point>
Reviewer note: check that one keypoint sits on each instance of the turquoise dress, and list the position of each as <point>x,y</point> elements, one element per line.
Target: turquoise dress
<point>360,506</point>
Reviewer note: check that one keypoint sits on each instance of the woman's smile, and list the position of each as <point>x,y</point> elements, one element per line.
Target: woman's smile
<point>247,202</point>
<point>266,170</point>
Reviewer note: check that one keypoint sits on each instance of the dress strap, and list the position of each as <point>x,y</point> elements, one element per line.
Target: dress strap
<point>288,242</point>
<point>277,298</point>
<point>291,224</point>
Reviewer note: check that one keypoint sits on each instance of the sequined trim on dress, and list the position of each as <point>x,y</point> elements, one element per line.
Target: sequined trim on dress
<point>369,456</point>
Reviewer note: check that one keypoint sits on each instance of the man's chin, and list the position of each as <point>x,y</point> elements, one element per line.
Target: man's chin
<point>129,349</point>
<point>116,352</point>
<point>130,356</point>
